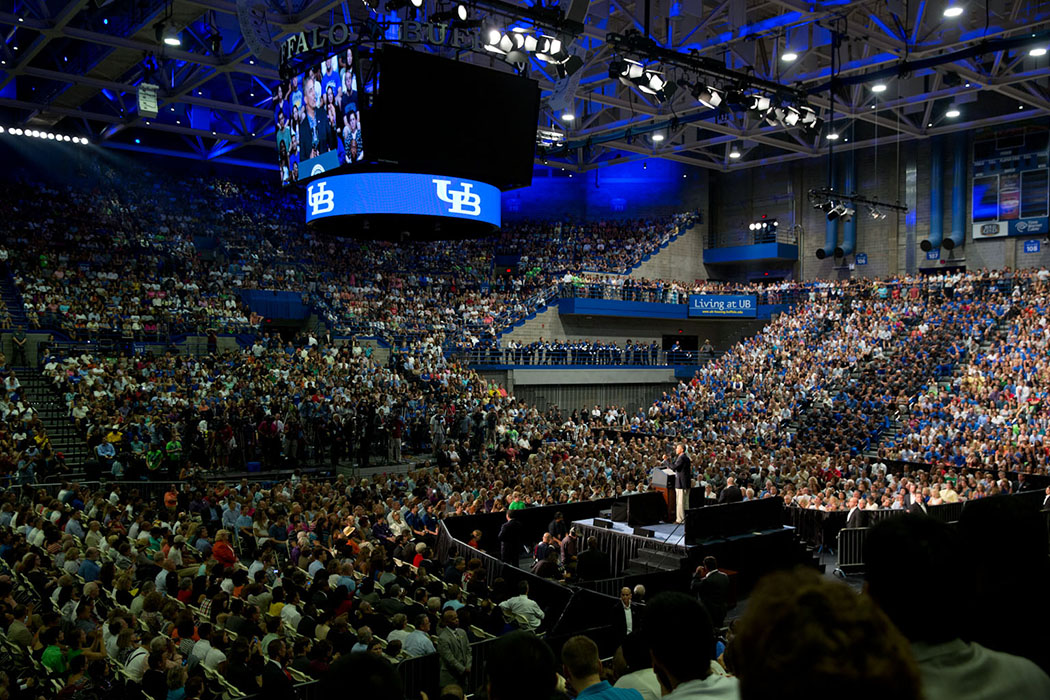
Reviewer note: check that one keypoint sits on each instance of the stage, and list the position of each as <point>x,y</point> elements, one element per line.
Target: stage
<point>664,533</point>
<point>665,550</point>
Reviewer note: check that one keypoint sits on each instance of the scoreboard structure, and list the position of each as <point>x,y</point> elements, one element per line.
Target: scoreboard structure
<point>1011,183</point>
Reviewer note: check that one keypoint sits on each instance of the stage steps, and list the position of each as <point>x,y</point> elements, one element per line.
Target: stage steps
<point>651,559</point>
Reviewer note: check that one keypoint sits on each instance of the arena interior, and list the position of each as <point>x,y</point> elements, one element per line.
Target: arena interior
<point>524,349</point>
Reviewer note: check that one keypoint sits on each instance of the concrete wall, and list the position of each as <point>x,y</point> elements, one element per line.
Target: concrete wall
<point>577,389</point>
<point>779,191</point>
<point>683,259</point>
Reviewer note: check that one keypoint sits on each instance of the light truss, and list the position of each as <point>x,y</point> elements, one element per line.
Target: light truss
<point>71,72</point>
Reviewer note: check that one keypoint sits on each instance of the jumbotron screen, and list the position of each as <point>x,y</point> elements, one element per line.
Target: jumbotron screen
<point>319,119</point>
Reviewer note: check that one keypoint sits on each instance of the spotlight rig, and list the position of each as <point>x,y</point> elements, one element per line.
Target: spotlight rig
<point>715,87</point>
<point>837,205</point>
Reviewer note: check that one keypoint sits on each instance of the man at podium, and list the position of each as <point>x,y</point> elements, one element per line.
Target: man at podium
<point>683,480</point>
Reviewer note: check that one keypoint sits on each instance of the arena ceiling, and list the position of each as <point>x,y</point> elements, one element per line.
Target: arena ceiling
<point>74,66</point>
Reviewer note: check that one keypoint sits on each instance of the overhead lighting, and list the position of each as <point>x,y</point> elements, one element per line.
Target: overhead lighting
<point>1037,51</point>
<point>789,56</point>
<point>707,96</point>
<point>633,74</point>
<point>952,112</point>
<point>953,11</point>
<point>459,12</point>
<point>658,137</point>
<point>568,117</point>
<point>878,87</point>
<point>734,152</point>
<point>167,34</point>
<point>833,136</point>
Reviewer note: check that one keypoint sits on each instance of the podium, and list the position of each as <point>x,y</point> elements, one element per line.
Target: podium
<point>663,483</point>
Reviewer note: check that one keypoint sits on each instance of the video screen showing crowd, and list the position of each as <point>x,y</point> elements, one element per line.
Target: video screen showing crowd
<point>318,119</point>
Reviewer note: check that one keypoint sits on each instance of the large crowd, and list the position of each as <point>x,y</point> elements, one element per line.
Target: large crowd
<point>223,583</point>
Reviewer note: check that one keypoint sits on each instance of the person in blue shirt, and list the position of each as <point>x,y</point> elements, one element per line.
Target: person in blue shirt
<point>89,568</point>
<point>583,671</point>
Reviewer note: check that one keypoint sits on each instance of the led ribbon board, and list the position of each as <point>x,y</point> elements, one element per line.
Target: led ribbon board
<point>401,194</point>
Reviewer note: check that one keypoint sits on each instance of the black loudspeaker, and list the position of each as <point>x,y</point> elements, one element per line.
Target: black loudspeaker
<point>644,532</point>
<point>604,524</point>
<point>620,511</point>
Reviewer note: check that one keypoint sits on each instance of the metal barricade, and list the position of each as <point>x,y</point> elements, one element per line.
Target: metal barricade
<point>851,550</point>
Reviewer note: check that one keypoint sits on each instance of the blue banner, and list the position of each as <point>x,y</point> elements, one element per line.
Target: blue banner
<point>861,259</point>
<point>1033,246</point>
<point>934,254</point>
<point>402,193</point>
<point>723,305</point>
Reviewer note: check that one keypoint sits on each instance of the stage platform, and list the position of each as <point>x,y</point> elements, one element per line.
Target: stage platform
<point>664,533</point>
<point>666,550</point>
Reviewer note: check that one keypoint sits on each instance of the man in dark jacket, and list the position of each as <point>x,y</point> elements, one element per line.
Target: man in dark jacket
<point>510,538</point>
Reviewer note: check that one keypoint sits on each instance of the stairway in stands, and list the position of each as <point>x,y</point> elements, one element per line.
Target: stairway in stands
<point>48,404</point>
<point>12,298</point>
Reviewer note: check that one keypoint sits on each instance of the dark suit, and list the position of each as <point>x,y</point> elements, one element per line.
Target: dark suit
<point>731,494</point>
<point>592,564</point>
<point>275,684</point>
<point>683,473</point>
<point>856,518</point>
<point>713,591</point>
<point>619,621</point>
<point>683,481</point>
<point>918,508</point>
<point>510,542</point>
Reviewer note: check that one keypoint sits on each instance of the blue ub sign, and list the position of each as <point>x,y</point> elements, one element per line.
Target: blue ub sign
<point>402,193</point>
<point>723,305</point>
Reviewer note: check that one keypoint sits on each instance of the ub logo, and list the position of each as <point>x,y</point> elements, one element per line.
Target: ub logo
<point>321,200</point>
<point>463,201</point>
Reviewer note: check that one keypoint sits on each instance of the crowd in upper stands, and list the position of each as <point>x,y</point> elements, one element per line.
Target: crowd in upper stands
<point>140,258</point>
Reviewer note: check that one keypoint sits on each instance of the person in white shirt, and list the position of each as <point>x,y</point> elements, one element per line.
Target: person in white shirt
<point>290,612</point>
<point>522,605</point>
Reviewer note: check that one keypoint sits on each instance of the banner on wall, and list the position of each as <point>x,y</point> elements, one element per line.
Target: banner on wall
<point>1033,246</point>
<point>723,306</point>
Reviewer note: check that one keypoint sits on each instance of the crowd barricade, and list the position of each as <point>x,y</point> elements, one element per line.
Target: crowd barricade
<point>419,674</point>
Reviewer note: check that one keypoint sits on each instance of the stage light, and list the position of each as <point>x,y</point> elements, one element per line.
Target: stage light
<point>878,87</point>
<point>171,37</point>
<point>707,96</point>
<point>760,104</point>
<point>953,10</point>
<point>792,116</point>
<point>50,136</point>
<point>952,112</point>
<point>789,56</point>
<point>833,136</point>
<point>459,12</point>
<point>1037,51</point>
<point>138,141</point>
<point>836,212</point>
<point>572,64</point>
